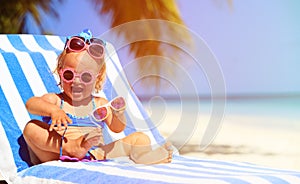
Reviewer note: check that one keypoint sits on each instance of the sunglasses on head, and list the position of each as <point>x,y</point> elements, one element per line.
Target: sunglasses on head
<point>94,46</point>
<point>101,113</point>
<point>68,75</point>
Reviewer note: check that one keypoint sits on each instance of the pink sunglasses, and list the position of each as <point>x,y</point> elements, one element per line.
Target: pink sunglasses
<point>95,47</point>
<point>68,75</point>
<point>101,113</point>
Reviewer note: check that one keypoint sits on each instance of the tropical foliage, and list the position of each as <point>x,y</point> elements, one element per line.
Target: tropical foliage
<point>15,14</point>
<point>121,12</point>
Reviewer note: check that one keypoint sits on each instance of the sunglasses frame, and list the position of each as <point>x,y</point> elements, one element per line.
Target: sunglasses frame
<point>109,104</point>
<point>86,46</point>
<point>61,73</point>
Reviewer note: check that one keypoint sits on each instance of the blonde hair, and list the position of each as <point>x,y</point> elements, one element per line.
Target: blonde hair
<point>100,78</point>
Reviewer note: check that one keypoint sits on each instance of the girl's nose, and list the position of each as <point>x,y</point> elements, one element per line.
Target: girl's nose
<point>76,79</point>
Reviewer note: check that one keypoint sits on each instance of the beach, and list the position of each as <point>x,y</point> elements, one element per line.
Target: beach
<point>262,131</point>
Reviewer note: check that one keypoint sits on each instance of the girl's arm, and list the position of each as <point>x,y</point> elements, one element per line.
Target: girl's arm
<point>43,106</point>
<point>48,105</point>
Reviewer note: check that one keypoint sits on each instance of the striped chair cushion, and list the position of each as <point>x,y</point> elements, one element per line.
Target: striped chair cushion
<point>26,64</point>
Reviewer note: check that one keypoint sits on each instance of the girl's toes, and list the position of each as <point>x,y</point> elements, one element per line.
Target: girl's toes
<point>168,146</point>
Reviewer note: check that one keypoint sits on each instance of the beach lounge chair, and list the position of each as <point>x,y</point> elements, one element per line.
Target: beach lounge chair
<point>26,65</point>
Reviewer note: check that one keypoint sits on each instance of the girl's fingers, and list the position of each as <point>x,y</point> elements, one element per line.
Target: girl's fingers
<point>51,127</point>
<point>58,123</point>
<point>69,120</point>
<point>65,123</point>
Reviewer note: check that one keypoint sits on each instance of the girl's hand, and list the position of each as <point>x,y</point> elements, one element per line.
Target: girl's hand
<point>59,118</point>
<point>120,115</point>
<point>118,121</point>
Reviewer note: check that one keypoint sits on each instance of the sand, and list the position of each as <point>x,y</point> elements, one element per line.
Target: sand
<point>273,147</point>
<point>267,140</point>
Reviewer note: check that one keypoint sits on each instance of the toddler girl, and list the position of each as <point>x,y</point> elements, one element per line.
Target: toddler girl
<point>67,131</point>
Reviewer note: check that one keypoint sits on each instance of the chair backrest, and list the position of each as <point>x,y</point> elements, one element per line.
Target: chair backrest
<point>26,69</point>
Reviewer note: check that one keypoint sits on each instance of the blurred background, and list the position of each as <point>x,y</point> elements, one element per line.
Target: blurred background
<point>255,44</point>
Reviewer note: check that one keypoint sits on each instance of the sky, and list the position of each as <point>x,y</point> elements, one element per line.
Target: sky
<point>256,43</point>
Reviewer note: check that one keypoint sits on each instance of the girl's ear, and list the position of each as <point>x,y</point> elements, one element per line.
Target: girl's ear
<point>60,84</point>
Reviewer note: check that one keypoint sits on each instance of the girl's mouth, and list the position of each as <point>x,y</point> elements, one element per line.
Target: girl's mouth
<point>77,89</point>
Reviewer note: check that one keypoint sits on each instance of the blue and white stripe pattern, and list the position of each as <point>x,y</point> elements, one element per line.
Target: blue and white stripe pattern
<point>26,65</point>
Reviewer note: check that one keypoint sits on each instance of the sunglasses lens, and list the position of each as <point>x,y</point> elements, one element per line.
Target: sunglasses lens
<point>97,40</point>
<point>100,113</point>
<point>86,77</point>
<point>96,50</point>
<point>118,103</point>
<point>76,44</point>
<point>68,75</point>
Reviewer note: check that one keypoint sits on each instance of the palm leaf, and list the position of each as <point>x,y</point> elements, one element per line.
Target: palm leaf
<point>14,14</point>
<point>122,12</point>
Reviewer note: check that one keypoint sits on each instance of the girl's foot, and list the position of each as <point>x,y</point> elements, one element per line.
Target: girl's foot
<point>169,149</point>
<point>79,147</point>
<point>160,155</point>
<point>97,154</point>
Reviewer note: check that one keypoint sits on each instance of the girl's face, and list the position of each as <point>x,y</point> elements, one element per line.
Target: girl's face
<point>79,62</point>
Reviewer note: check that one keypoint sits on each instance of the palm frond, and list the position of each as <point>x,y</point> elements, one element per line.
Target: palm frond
<point>14,14</point>
<point>122,12</point>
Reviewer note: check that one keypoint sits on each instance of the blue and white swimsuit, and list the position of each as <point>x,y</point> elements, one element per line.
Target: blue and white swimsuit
<point>85,121</point>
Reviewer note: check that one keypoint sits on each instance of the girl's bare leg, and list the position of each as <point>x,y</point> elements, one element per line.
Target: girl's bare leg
<point>46,144</point>
<point>137,147</point>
